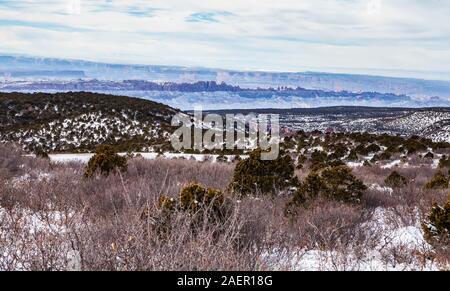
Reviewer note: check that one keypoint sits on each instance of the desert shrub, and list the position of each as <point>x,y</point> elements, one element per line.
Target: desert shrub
<point>429,155</point>
<point>207,158</point>
<point>255,175</point>
<point>237,158</point>
<point>318,157</point>
<point>301,159</point>
<point>413,145</point>
<point>363,138</point>
<point>361,149</point>
<point>444,162</point>
<point>341,184</point>
<point>365,150</point>
<point>288,143</point>
<point>222,158</point>
<point>437,226</point>
<point>105,160</point>
<point>321,160</point>
<point>41,153</point>
<point>395,180</point>
<point>335,183</point>
<point>373,148</point>
<point>367,164</point>
<point>352,156</point>
<point>441,145</point>
<point>331,225</point>
<point>10,159</point>
<point>194,198</point>
<point>386,155</point>
<point>375,158</point>
<point>339,151</point>
<point>201,204</point>
<point>310,188</point>
<point>439,181</point>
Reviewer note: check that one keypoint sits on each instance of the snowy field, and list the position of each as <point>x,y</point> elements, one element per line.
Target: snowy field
<point>84,158</point>
<point>395,239</point>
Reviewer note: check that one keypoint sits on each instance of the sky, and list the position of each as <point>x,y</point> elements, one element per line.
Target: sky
<point>408,38</point>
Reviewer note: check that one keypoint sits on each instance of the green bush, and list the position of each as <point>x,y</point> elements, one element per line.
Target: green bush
<point>337,183</point>
<point>439,181</point>
<point>255,175</point>
<point>395,180</point>
<point>386,155</point>
<point>194,198</point>
<point>429,155</point>
<point>375,158</point>
<point>222,158</point>
<point>441,145</point>
<point>437,227</point>
<point>301,159</point>
<point>311,188</point>
<point>318,157</point>
<point>237,158</point>
<point>321,160</point>
<point>361,149</point>
<point>373,148</point>
<point>339,151</point>
<point>105,160</point>
<point>202,204</point>
<point>41,153</point>
<point>352,156</point>
<point>341,184</point>
<point>412,145</point>
<point>366,150</point>
<point>444,162</point>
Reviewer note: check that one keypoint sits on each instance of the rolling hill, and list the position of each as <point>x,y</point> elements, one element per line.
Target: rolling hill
<point>80,121</point>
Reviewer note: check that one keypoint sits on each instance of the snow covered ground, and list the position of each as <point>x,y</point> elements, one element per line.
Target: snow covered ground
<point>84,158</point>
<point>397,240</point>
<point>26,235</point>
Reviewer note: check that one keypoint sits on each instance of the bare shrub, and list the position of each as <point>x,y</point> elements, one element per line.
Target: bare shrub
<point>331,225</point>
<point>437,226</point>
<point>52,219</point>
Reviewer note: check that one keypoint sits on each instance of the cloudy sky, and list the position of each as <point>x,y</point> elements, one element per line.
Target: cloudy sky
<point>390,37</point>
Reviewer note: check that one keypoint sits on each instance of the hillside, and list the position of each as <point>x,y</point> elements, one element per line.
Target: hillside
<point>430,123</point>
<point>79,122</point>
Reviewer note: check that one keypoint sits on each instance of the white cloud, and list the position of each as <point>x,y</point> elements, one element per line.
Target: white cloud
<point>288,35</point>
<point>74,7</point>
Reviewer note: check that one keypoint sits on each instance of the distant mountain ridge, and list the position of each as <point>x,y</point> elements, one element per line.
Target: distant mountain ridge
<point>213,95</point>
<point>244,79</point>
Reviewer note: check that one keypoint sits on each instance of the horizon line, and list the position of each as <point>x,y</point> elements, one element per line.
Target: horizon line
<point>309,70</point>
